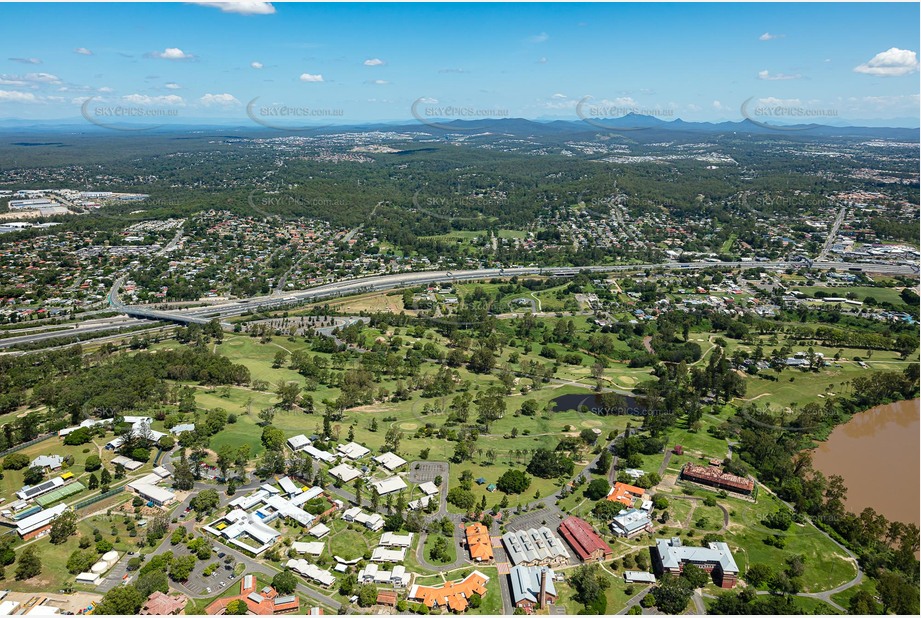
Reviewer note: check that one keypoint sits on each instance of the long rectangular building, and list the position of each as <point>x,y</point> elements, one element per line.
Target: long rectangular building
<point>38,524</point>
<point>715,477</point>
<point>534,547</point>
<point>584,540</point>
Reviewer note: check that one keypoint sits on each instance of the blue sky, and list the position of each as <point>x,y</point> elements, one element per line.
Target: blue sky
<point>365,62</point>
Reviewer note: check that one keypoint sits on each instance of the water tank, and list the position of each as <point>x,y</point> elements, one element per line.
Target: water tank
<point>110,556</point>
<point>100,567</point>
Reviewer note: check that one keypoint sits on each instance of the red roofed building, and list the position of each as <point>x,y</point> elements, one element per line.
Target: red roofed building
<point>584,540</point>
<point>715,477</point>
<point>265,602</point>
<point>159,604</point>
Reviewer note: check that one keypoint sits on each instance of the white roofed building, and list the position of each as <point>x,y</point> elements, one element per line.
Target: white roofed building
<point>352,450</point>
<point>389,485</point>
<point>391,461</point>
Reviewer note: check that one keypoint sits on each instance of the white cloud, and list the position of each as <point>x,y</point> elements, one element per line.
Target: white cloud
<point>83,51</point>
<point>559,95</point>
<point>428,100</point>
<point>171,53</point>
<point>767,36</point>
<point>378,82</point>
<point>219,99</point>
<point>775,102</point>
<point>776,77</point>
<point>693,108</point>
<point>242,7</point>
<point>27,60</point>
<point>542,60</point>
<point>144,99</point>
<point>42,78</point>
<point>13,96</point>
<point>718,106</point>
<point>539,38</point>
<point>307,77</point>
<point>12,80</point>
<point>172,85</point>
<point>373,62</point>
<point>256,65</point>
<point>106,89</point>
<point>893,62</point>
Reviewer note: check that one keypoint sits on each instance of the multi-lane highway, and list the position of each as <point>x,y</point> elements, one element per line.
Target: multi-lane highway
<point>376,283</point>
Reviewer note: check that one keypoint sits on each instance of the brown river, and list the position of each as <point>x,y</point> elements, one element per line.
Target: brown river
<point>877,453</point>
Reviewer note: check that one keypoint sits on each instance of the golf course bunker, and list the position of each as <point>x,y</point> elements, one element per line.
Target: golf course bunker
<point>409,426</point>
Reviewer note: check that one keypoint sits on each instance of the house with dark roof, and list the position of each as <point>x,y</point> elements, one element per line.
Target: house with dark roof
<point>584,540</point>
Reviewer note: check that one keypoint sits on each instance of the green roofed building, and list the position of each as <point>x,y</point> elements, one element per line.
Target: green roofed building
<point>60,493</point>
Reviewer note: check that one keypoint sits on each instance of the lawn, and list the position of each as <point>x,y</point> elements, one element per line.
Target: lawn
<point>430,542</point>
<point>350,541</point>
<point>617,595</point>
<point>491,604</point>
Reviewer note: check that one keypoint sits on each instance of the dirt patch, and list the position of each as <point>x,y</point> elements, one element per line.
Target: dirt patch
<point>409,426</point>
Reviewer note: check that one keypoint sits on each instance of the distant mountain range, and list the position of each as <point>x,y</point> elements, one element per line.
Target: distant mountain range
<point>630,124</point>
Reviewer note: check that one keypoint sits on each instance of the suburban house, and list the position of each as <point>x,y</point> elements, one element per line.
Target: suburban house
<point>532,587</point>
<point>298,442</point>
<point>391,461</point>
<point>371,521</point>
<point>670,556</point>
<point>453,595</point>
<point>352,450</point>
<point>534,547</point>
<point>311,571</point>
<point>478,543</point>
<point>345,473</point>
<point>391,539</point>
<point>373,574</point>
<point>584,540</point>
<point>47,462</point>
